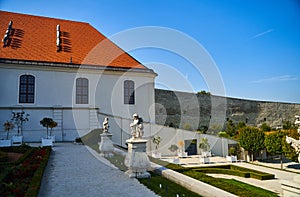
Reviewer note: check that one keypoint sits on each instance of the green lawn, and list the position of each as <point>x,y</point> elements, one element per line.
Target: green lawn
<point>230,185</point>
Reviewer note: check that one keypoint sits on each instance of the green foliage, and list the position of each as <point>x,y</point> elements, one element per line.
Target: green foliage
<point>230,185</point>
<point>48,123</point>
<point>35,184</point>
<point>164,187</point>
<point>7,127</point>
<point>240,125</point>
<point>287,125</point>
<point>288,150</point>
<point>274,142</point>
<point>251,139</point>
<point>204,145</point>
<point>230,128</point>
<point>173,148</point>
<point>223,134</point>
<point>202,129</point>
<point>156,140</point>
<point>23,177</point>
<point>203,92</point>
<point>265,127</point>
<point>232,150</point>
<point>92,139</point>
<point>224,171</point>
<point>187,126</point>
<point>19,118</point>
<point>3,156</point>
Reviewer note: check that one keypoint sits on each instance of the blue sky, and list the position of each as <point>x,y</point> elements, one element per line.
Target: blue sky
<point>255,44</point>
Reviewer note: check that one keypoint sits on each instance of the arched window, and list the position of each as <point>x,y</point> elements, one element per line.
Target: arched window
<point>82,91</point>
<point>26,89</point>
<point>129,97</point>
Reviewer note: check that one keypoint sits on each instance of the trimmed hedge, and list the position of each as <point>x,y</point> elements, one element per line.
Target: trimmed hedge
<point>35,184</point>
<point>224,171</point>
<point>23,177</point>
<point>3,156</point>
<point>254,173</point>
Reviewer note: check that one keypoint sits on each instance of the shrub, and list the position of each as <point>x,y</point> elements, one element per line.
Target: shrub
<point>3,156</point>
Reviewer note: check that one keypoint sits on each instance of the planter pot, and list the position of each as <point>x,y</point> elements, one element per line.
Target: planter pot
<point>5,143</point>
<point>176,160</point>
<point>182,154</point>
<point>46,142</point>
<point>204,159</point>
<point>52,137</point>
<point>231,158</point>
<point>17,139</point>
<point>156,155</point>
<point>206,154</point>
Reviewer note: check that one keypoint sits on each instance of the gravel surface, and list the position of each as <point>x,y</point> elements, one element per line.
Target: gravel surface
<point>73,171</point>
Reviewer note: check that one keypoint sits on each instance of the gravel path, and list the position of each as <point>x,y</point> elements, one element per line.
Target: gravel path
<point>73,171</point>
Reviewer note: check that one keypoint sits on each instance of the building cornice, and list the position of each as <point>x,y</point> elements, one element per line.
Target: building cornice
<point>71,67</point>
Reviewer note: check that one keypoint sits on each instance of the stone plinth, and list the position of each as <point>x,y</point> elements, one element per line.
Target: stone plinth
<point>291,189</point>
<point>136,159</point>
<point>106,146</point>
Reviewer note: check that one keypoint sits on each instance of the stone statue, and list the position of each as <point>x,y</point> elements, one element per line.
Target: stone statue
<point>295,144</point>
<point>105,125</point>
<point>137,127</point>
<point>297,123</point>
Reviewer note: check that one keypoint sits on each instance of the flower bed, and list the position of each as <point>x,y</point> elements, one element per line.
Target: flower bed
<point>23,177</point>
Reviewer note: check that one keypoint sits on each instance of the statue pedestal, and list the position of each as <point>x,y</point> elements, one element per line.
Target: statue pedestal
<point>290,188</point>
<point>136,159</point>
<point>106,146</point>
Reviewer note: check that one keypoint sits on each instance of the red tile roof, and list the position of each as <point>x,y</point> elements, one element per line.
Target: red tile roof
<point>33,38</point>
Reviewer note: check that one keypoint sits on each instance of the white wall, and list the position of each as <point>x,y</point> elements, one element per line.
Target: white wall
<point>55,90</point>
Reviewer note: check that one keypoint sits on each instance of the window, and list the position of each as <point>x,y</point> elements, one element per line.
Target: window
<point>82,91</point>
<point>26,89</point>
<point>129,92</point>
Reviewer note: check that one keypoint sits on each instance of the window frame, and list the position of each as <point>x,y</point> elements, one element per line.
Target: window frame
<point>129,92</point>
<point>81,91</point>
<point>30,89</point>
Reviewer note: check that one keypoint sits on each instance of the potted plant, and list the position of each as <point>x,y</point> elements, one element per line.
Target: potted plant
<point>232,155</point>
<point>174,148</point>
<point>46,122</point>
<point>52,125</point>
<point>181,153</point>
<point>156,140</point>
<point>19,118</point>
<point>7,127</point>
<point>204,146</point>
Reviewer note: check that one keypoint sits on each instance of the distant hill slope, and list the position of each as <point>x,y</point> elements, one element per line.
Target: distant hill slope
<point>182,109</point>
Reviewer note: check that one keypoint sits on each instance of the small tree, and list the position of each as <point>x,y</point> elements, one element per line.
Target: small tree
<point>19,118</point>
<point>288,150</point>
<point>204,145</point>
<point>173,148</point>
<point>7,127</point>
<point>274,143</point>
<point>156,140</point>
<point>46,122</point>
<point>265,127</point>
<point>251,139</point>
<point>230,128</point>
<point>52,125</point>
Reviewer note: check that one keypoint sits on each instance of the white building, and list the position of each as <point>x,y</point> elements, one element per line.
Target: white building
<point>70,72</point>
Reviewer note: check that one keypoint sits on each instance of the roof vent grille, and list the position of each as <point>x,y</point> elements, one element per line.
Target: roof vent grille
<point>7,33</point>
<point>58,47</point>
